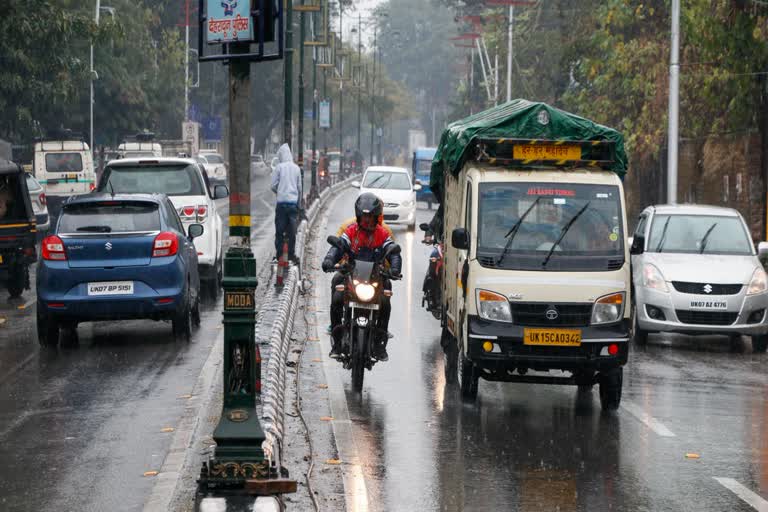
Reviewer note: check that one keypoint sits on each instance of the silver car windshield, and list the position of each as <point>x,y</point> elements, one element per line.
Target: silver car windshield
<point>699,234</point>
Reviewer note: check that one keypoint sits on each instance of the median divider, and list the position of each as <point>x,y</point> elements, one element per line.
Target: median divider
<point>277,335</point>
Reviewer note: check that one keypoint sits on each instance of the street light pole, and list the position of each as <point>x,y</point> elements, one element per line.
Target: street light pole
<point>288,86</point>
<point>341,89</point>
<point>373,91</point>
<point>509,51</point>
<point>186,62</point>
<point>674,104</point>
<point>96,18</point>
<point>300,144</point>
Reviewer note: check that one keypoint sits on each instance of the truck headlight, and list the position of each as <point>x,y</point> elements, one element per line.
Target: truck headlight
<point>364,292</point>
<point>492,306</point>
<point>759,282</point>
<point>608,309</point>
<point>652,278</point>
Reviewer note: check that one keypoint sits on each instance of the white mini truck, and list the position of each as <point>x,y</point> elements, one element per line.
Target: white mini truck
<point>536,279</point>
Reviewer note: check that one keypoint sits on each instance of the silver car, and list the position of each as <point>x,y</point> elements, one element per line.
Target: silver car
<point>39,204</point>
<point>695,271</point>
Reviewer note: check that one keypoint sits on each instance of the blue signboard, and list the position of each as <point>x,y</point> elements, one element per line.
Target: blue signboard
<point>212,129</point>
<point>229,21</point>
<point>309,114</point>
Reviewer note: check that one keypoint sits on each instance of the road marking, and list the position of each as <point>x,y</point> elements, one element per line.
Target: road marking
<point>750,498</point>
<point>353,477</point>
<point>27,304</point>
<point>646,418</point>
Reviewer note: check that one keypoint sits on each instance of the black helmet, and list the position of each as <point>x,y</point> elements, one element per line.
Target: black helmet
<point>370,206</point>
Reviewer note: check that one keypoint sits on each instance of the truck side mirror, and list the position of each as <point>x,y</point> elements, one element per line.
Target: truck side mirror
<point>460,239</point>
<point>638,245</point>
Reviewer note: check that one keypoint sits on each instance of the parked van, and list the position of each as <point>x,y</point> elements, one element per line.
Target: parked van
<point>536,276</point>
<point>64,168</point>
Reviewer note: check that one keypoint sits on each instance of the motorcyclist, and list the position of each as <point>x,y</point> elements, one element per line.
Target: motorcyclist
<point>363,238</point>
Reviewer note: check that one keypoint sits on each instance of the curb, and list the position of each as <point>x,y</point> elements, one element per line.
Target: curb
<point>274,382</point>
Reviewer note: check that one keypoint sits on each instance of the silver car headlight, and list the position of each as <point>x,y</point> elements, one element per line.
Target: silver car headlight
<point>653,278</point>
<point>608,309</point>
<point>759,282</point>
<point>492,306</point>
<point>408,203</point>
<point>364,292</point>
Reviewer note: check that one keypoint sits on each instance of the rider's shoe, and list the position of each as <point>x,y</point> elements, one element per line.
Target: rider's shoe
<point>381,352</point>
<point>335,351</point>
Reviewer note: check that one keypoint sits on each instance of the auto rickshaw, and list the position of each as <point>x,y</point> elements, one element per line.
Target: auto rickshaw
<point>17,229</point>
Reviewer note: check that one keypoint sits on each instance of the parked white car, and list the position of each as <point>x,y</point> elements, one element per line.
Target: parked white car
<point>214,164</point>
<point>185,182</point>
<point>695,271</point>
<point>394,187</point>
<point>39,204</point>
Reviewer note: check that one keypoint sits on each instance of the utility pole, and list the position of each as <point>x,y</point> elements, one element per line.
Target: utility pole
<point>288,95</point>
<point>373,92</point>
<point>509,51</point>
<point>186,60</point>
<point>359,79</point>
<point>313,168</point>
<point>341,89</point>
<point>674,104</point>
<point>93,72</point>
<point>302,25</point>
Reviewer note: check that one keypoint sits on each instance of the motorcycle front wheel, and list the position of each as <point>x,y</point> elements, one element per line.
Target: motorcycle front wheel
<point>359,353</point>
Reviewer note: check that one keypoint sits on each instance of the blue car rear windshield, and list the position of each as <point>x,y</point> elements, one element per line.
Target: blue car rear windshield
<point>114,217</point>
<point>172,180</point>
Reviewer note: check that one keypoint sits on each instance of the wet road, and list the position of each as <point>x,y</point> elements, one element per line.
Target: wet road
<point>692,432</point>
<point>80,427</point>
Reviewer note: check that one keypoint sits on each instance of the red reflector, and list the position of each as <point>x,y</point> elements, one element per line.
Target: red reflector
<point>42,199</point>
<point>165,300</point>
<point>613,349</point>
<point>55,304</point>
<point>199,254</point>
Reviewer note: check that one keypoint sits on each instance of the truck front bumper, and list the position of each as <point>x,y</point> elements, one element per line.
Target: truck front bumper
<point>510,354</point>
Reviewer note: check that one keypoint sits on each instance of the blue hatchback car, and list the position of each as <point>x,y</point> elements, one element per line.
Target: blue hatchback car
<point>117,257</point>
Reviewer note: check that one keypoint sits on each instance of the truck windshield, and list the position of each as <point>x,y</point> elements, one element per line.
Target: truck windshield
<point>573,227</point>
<point>423,166</point>
<point>172,180</point>
<point>699,234</point>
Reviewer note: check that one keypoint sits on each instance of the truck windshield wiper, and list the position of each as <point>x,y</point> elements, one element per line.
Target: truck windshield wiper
<point>512,232</point>
<point>705,238</point>
<point>563,233</point>
<point>95,229</point>
<point>663,237</point>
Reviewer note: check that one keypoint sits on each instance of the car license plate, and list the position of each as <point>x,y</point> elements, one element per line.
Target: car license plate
<point>111,288</point>
<point>546,152</point>
<point>359,305</point>
<point>552,337</point>
<point>1,259</point>
<point>708,303</point>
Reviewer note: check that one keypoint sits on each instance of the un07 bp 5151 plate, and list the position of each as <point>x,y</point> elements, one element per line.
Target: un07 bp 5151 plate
<point>552,337</point>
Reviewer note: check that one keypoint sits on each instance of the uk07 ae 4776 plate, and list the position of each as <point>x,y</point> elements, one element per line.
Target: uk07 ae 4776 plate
<point>552,337</point>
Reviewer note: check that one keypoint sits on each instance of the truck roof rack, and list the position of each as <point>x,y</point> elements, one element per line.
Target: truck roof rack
<point>600,154</point>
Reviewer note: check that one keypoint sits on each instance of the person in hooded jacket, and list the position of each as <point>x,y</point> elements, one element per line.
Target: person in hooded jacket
<point>286,183</point>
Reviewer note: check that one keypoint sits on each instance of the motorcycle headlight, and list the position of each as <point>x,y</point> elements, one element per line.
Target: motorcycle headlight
<point>493,306</point>
<point>364,292</point>
<point>759,282</point>
<point>608,309</point>
<point>653,279</point>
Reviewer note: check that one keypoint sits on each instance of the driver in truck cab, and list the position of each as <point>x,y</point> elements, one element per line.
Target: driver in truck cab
<point>363,238</point>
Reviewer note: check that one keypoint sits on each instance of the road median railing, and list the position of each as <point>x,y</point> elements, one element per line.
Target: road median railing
<point>278,334</point>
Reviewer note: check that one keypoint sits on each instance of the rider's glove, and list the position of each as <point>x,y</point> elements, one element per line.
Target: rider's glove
<point>328,265</point>
<point>395,275</point>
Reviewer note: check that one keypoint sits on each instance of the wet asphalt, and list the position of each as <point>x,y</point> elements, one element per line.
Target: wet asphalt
<point>692,413</point>
<point>79,427</point>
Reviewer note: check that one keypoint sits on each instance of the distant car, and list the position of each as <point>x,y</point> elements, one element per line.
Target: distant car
<point>188,187</point>
<point>117,257</point>
<point>695,271</point>
<point>214,164</point>
<point>258,163</point>
<point>394,187</point>
<point>39,204</point>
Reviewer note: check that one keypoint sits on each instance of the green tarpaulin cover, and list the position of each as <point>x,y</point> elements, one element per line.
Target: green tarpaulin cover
<point>520,119</point>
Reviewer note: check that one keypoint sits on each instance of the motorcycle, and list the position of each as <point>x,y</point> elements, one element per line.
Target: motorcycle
<point>364,290</point>
<point>432,287</point>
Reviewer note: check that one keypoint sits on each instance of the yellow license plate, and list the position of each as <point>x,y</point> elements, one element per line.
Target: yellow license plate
<point>552,337</point>
<point>1,258</point>
<point>546,152</point>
